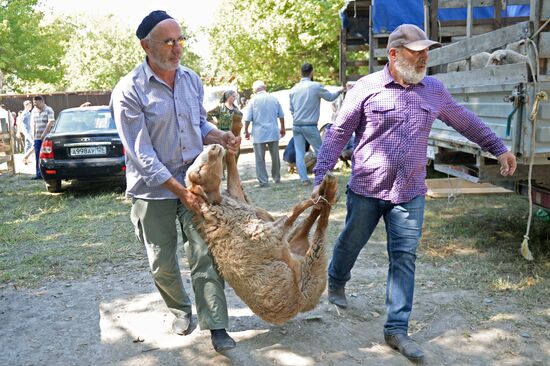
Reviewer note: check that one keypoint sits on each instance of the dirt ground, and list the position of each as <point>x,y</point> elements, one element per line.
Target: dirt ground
<point>118,318</point>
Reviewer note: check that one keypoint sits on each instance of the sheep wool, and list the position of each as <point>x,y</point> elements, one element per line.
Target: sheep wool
<point>273,265</point>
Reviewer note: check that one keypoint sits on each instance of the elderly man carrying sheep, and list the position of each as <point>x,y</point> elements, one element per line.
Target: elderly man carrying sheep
<point>160,118</point>
<point>391,113</point>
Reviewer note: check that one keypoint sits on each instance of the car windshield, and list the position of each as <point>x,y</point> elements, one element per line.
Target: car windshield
<point>84,120</point>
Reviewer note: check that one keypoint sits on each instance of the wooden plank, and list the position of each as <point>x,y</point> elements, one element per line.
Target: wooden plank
<point>442,187</point>
<point>540,172</point>
<point>5,147</point>
<point>357,47</point>
<point>357,6</point>
<point>545,12</point>
<point>481,22</point>
<point>544,44</point>
<point>427,23</point>
<point>353,77</point>
<point>535,13</point>
<point>343,50</point>
<point>483,42</point>
<point>5,159</point>
<point>434,22</point>
<point>380,52</point>
<point>490,75</point>
<point>497,14</point>
<point>459,31</point>
<point>357,63</point>
<point>469,18</point>
<point>372,42</point>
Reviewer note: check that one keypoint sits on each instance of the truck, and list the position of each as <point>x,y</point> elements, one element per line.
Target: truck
<point>510,98</point>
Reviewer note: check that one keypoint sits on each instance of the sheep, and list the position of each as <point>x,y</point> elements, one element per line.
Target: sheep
<point>505,57</point>
<point>479,60</point>
<point>274,267</point>
<point>519,47</point>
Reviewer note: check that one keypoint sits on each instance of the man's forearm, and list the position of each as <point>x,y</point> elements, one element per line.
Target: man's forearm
<point>174,186</point>
<point>186,196</point>
<point>214,137</point>
<point>47,129</point>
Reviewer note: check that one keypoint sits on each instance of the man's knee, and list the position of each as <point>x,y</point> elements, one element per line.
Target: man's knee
<point>165,273</point>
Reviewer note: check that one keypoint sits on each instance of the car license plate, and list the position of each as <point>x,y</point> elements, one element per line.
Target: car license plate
<point>86,151</point>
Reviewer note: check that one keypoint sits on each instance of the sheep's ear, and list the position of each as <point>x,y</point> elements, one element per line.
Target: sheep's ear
<point>194,177</point>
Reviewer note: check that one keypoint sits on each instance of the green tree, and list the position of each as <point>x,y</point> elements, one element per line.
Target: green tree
<point>270,39</point>
<point>101,51</point>
<point>30,51</point>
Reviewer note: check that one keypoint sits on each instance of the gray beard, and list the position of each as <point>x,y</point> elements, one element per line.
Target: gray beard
<point>407,72</point>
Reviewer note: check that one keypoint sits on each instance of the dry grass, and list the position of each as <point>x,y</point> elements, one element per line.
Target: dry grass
<point>69,235</point>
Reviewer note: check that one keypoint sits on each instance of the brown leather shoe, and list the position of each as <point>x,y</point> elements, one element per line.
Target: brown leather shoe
<point>181,325</point>
<point>337,296</point>
<point>405,345</point>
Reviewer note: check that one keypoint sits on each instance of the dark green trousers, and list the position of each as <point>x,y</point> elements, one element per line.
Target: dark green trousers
<point>155,226</point>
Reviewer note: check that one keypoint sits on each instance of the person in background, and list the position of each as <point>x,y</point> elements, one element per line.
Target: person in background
<point>42,120</point>
<point>244,101</point>
<point>289,155</point>
<point>391,112</point>
<point>6,119</point>
<point>159,115</point>
<point>305,101</point>
<point>222,115</point>
<point>263,111</point>
<point>25,125</point>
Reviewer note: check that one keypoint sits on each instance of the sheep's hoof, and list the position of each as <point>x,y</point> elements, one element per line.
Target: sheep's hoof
<point>329,188</point>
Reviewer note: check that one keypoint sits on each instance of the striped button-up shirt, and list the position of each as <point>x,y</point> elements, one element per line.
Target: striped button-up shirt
<point>391,125</point>
<point>162,130</point>
<point>305,101</point>
<point>40,119</point>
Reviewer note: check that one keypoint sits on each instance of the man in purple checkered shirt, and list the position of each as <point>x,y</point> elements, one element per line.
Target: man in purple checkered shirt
<point>391,113</point>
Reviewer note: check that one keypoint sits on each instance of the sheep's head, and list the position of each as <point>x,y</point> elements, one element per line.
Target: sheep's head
<point>204,176</point>
<point>497,58</point>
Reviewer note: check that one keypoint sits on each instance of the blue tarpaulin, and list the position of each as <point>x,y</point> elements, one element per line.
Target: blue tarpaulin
<point>389,14</point>
<point>487,12</point>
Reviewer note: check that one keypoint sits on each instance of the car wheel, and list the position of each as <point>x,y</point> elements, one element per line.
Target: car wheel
<point>53,186</point>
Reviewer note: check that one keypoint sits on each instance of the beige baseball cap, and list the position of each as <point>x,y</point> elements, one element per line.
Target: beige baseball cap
<point>411,37</point>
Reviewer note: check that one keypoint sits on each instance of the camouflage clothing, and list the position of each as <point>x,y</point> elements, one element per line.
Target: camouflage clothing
<point>223,115</point>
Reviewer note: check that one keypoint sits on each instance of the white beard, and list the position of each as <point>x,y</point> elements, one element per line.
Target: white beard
<point>408,72</point>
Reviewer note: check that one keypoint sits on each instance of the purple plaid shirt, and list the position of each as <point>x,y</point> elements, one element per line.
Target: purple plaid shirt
<point>392,125</point>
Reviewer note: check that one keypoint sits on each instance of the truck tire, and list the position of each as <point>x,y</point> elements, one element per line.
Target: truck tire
<point>53,186</point>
